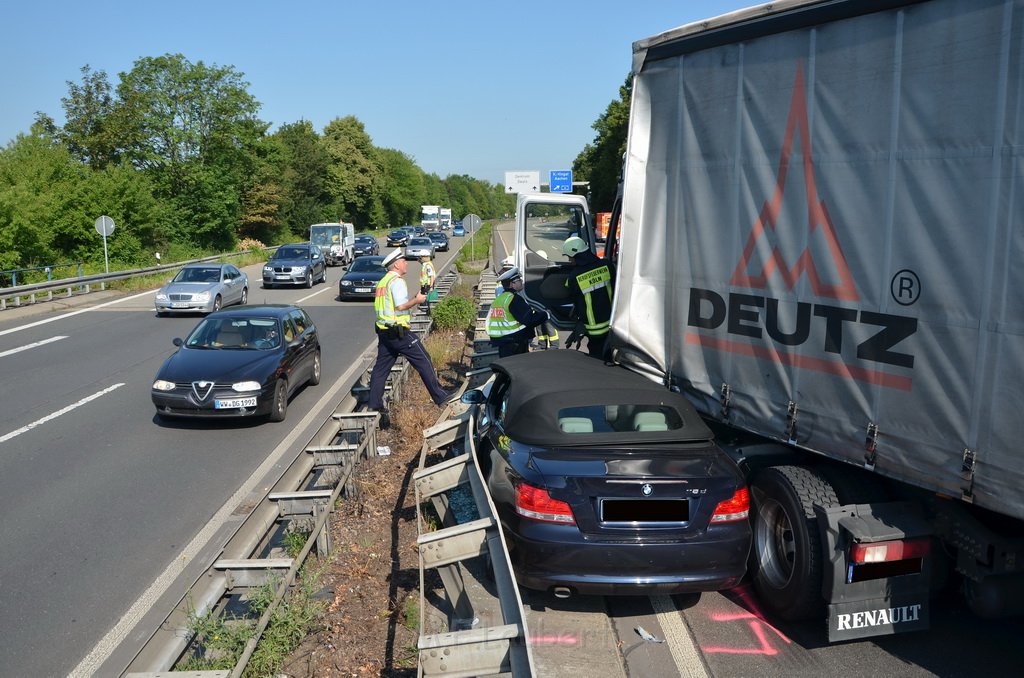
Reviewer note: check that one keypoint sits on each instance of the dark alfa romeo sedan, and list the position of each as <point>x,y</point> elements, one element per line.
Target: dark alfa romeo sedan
<point>240,362</point>
<point>605,482</point>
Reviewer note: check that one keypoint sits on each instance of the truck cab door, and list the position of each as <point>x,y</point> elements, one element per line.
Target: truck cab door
<point>543,222</point>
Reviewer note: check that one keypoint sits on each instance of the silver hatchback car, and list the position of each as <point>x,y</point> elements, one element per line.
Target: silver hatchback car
<point>420,246</point>
<point>202,288</point>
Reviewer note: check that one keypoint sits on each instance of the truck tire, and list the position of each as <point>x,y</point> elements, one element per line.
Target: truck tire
<point>787,560</point>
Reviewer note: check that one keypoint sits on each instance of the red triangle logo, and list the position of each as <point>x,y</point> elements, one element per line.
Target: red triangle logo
<point>817,218</point>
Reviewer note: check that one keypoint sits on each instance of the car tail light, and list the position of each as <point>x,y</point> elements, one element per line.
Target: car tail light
<point>533,502</point>
<point>889,551</point>
<point>736,507</point>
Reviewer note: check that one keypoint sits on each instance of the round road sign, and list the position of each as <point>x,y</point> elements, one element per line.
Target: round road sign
<point>104,225</point>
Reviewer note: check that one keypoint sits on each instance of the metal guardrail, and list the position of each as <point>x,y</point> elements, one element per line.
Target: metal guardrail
<point>68,287</point>
<point>468,647</point>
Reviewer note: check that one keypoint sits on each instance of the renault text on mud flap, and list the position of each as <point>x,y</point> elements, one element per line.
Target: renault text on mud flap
<point>886,616</point>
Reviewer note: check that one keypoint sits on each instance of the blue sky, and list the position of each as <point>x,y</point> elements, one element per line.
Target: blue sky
<point>477,88</point>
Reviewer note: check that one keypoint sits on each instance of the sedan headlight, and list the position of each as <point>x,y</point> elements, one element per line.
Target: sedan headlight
<point>268,269</point>
<point>298,269</point>
<point>201,296</point>
<point>161,385</point>
<point>345,283</point>
<point>161,296</point>
<point>246,386</point>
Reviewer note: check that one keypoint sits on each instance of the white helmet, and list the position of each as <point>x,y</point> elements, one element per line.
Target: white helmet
<point>508,262</point>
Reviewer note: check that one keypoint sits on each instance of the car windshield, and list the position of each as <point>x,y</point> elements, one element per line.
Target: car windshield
<point>364,238</point>
<point>618,419</point>
<point>235,334</point>
<point>291,253</point>
<point>420,242</point>
<point>362,265</point>
<point>438,237</point>
<point>197,275</point>
<point>397,234</point>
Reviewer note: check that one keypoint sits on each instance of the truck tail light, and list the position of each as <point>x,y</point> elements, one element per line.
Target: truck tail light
<point>533,502</point>
<point>736,507</point>
<point>889,551</point>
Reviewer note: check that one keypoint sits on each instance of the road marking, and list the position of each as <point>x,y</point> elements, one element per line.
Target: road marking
<point>73,313</point>
<point>83,401</point>
<point>310,296</point>
<point>680,642</point>
<point>116,635</point>
<point>28,346</point>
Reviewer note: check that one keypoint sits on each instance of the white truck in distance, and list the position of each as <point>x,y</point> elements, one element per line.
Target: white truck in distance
<point>819,245</point>
<point>430,217</point>
<point>337,241</point>
<point>446,218</point>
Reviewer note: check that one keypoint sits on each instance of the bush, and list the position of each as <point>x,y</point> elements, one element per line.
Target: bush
<point>453,313</point>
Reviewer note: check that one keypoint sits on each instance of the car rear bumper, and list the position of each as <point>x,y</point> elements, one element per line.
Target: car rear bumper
<point>550,555</point>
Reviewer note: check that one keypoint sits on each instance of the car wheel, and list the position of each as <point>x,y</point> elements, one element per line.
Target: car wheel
<point>245,296</point>
<point>216,303</point>
<point>309,279</point>
<point>787,561</point>
<point>323,275</point>
<point>314,376</point>
<point>279,408</point>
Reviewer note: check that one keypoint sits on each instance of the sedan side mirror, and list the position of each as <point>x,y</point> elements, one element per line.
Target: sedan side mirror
<point>177,341</point>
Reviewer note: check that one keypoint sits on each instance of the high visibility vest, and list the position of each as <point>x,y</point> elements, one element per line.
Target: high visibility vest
<point>500,321</point>
<point>427,274</point>
<point>596,281</point>
<point>384,303</point>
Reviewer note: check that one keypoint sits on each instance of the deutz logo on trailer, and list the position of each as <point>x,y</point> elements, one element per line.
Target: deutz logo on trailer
<point>804,335</point>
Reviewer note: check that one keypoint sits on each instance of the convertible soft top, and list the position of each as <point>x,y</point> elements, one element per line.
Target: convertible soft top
<point>548,385</point>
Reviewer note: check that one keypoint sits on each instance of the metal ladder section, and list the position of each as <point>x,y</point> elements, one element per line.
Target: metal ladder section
<point>302,500</point>
<point>465,649</point>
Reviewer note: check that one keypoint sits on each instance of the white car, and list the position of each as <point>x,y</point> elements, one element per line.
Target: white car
<point>420,246</point>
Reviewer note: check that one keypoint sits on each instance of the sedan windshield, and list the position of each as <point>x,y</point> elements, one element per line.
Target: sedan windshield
<point>198,275</point>
<point>235,334</point>
<point>366,266</point>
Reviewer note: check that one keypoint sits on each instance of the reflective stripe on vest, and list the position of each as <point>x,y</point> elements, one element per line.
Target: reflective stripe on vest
<point>590,283</point>
<point>384,303</point>
<point>500,321</point>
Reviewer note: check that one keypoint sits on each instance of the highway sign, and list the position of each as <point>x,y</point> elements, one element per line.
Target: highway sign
<point>104,225</point>
<point>522,182</point>
<point>561,181</point>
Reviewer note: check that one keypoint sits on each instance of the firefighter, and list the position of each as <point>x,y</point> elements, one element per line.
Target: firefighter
<point>511,320</point>
<point>590,283</point>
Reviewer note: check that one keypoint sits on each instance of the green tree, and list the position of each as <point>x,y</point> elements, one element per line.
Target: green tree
<point>92,131</point>
<point>354,177</point>
<point>302,163</point>
<point>600,162</point>
<point>403,188</point>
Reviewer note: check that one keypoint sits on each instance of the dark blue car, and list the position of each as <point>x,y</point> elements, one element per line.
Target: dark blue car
<point>240,362</point>
<point>606,482</point>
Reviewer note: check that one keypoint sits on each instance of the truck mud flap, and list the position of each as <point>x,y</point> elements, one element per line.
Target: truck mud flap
<point>871,599</point>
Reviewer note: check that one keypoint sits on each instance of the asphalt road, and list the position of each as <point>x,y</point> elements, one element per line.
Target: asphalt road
<point>98,497</point>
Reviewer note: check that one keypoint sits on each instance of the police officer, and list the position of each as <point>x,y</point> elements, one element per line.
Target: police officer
<point>511,320</point>
<point>590,283</point>
<point>427,275</point>
<point>394,337</point>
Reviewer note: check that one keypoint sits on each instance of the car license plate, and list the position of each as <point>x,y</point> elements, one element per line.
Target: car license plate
<point>363,290</point>
<point>179,304</point>
<point>234,403</point>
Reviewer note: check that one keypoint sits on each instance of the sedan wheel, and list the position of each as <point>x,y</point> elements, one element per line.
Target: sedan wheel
<point>279,409</point>
<point>216,304</point>
<point>309,279</point>
<point>314,376</point>
<point>245,296</point>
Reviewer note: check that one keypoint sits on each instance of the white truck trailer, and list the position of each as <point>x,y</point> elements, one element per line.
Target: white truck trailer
<point>337,240</point>
<point>430,218</point>
<point>818,243</point>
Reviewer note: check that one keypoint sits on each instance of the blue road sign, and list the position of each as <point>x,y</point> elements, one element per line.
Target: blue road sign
<point>561,181</point>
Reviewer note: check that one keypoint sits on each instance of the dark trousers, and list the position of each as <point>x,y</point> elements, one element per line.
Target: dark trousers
<point>507,348</point>
<point>388,350</point>
<point>595,345</point>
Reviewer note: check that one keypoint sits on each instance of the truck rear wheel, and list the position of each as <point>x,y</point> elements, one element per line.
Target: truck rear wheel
<point>787,561</point>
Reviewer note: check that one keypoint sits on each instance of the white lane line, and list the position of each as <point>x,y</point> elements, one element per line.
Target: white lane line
<point>680,641</point>
<point>73,313</point>
<point>26,347</point>
<point>83,401</point>
<point>327,287</point>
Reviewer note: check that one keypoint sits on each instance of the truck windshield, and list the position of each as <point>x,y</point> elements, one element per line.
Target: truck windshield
<point>549,225</point>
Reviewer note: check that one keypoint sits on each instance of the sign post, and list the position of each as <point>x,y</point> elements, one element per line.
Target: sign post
<point>560,181</point>
<point>471,222</point>
<point>105,226</point>
<point>522,182</point>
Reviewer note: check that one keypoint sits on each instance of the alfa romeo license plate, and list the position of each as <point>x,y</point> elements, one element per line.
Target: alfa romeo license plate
<point>234,403</point>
